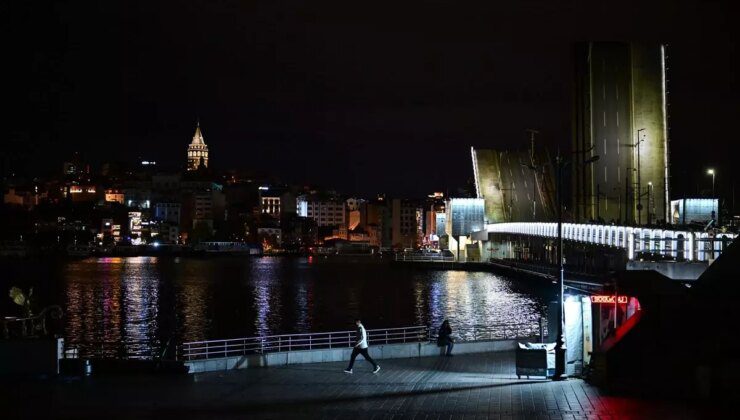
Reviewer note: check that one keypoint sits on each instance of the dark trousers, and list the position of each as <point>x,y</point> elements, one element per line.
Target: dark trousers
<point>364,353</point>
<point>446,341</point>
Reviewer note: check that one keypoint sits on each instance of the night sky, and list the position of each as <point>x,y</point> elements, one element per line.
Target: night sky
<point>360,96</point>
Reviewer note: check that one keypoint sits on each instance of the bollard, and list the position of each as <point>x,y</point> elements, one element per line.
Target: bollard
<point>87,367</point>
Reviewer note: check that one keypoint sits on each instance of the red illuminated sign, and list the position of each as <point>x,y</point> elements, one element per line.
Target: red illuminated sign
<point>609,299</point>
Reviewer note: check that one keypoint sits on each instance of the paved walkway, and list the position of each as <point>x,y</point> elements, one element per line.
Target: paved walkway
<point>465,386</point>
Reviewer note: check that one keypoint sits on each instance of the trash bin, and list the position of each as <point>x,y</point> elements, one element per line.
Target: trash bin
<point>535,359</point>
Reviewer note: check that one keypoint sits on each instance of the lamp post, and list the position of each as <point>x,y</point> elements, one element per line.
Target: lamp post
<point>534,169</point>
<point>711,172</point>
<point>560,348</point>
<point>560,342</point>
<point>532,166</point>
<point>649,206</point>
<point>581,191</point>
<point>511,190</point>
<point>639,185</point>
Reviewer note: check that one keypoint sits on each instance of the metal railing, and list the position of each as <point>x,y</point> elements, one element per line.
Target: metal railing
<point>119,350</point>
<point>32,326</point>
<point>499,332</point>
<point>293,342</point>
<point>210,349</point>
<point>424,258</point>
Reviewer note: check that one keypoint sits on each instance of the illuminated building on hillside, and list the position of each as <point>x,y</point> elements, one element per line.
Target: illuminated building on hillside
<point>168,212</point>
<point>434,222</point>
<point>620,116</point>
<point>323,212</point>
<point>134,227</point>
<point>82,192</point>
<point>28,197</point>
<point>407,218</point>
<point>197,151</point>
<point>113,195</point>
<point>277,202</point>
<point>270,204</point>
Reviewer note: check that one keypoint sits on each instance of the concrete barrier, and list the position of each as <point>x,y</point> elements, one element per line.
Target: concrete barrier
<point>379,352</point>
<point>30,356</point>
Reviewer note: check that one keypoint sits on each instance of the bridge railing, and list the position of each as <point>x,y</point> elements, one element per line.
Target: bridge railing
<point>637,241</point>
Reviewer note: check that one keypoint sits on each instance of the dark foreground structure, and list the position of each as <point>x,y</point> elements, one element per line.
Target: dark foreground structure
<point>475,386</point>
<point>684,341</point>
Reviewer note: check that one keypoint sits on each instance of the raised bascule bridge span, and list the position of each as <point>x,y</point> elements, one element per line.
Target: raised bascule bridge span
<point>595,248</point>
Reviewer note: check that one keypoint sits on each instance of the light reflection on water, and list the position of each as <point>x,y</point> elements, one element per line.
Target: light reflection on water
<point>478,304</point>
<point>266,304</point>
<point>192,299</point>
<point>111,305</point>
<point>133,306</point>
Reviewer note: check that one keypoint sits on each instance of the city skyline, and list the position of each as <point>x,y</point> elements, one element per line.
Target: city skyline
<point>212,208</point>
<point>321,105</point>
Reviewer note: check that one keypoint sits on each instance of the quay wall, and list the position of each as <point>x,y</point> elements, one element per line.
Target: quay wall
<point>379,352</point>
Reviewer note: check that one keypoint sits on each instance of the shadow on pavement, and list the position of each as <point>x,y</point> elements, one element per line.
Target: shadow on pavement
<point>294,406</point>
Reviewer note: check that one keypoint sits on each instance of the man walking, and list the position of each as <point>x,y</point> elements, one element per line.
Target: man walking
<point>361,348</point>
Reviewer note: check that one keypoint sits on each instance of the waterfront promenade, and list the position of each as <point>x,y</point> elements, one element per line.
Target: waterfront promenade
<point>466,386</point>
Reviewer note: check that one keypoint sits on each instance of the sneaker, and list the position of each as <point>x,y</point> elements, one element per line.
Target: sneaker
<point>377,369</point>
<point>347,370</point>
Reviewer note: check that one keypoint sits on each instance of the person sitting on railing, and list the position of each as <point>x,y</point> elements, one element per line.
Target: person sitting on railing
<point>361,348</point>
<point>444,337</point>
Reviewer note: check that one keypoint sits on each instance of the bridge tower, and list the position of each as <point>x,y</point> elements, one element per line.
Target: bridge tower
<point>620,115</point>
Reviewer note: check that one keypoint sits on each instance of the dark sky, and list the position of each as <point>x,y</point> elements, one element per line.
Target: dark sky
<point>360,96</point>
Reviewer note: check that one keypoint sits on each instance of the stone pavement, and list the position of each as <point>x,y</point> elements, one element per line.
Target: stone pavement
<point>475,386</point>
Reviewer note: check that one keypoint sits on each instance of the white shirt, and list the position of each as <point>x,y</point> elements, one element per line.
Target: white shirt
<point>362,342</point>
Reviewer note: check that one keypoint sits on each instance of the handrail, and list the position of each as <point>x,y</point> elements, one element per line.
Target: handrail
<point>424,258</point>
<point>29,326</point>
<point>303,341</point>
<point>303,334</point>
<point>208,349</point>
<point>140,349</point>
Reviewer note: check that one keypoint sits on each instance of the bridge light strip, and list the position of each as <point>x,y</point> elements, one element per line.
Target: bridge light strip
<point>633,238</point>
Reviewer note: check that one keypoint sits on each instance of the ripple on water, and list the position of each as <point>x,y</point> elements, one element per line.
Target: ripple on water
<point>133,306</point>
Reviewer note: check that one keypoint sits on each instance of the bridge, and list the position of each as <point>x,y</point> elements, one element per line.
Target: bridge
<point>679,245</point>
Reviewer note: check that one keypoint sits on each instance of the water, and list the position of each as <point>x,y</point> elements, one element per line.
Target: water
<point>134,306</point>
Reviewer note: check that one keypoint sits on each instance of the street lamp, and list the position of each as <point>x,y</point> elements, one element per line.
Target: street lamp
<point>711,172</point>
<point>640,139</point>
<point>560,348</point>
<point>534,169</point>
<point>649,206</point>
